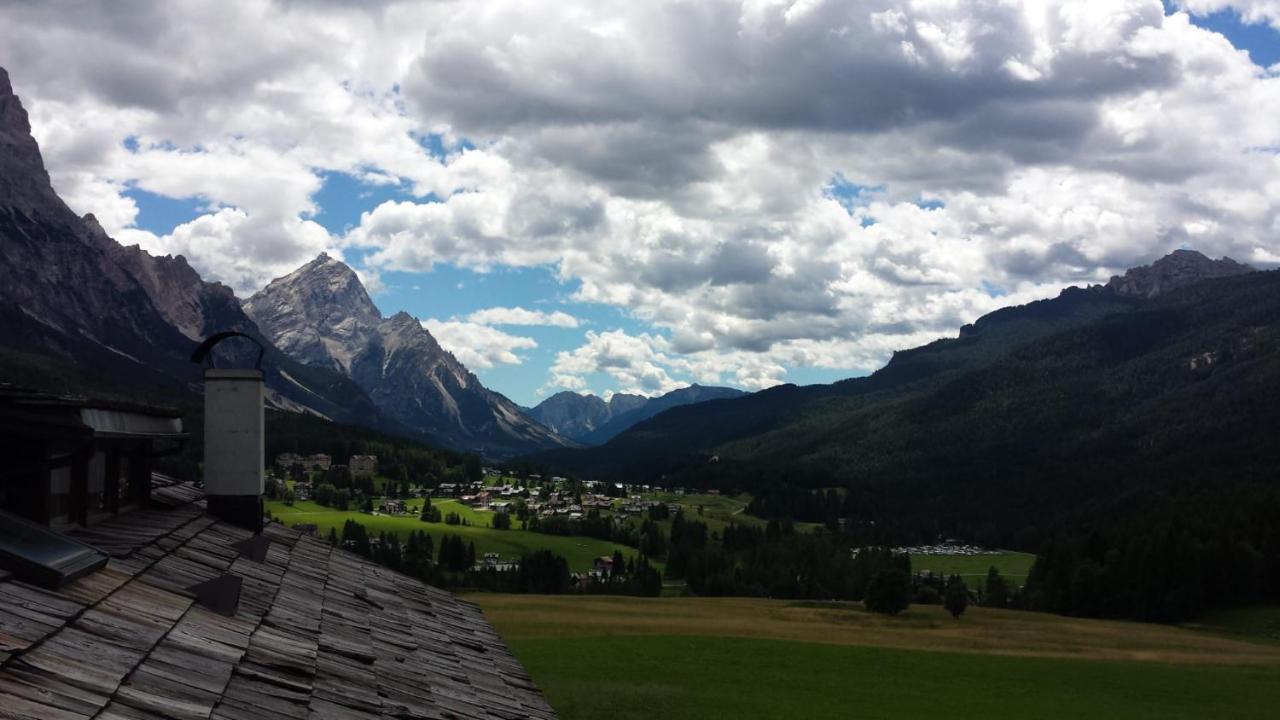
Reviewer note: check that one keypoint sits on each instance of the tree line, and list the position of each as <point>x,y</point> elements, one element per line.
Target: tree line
<point>453,564</point>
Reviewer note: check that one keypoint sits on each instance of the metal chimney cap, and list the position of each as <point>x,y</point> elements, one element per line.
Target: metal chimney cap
<point>204,353</point>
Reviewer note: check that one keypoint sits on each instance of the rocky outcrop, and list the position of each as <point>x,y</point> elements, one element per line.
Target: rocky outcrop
<point>24,183</point>
<point>1177,269</point>
<point>322,315</point>
<point>55,268</point>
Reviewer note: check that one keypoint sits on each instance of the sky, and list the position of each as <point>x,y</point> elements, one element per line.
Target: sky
<point>611,196</point>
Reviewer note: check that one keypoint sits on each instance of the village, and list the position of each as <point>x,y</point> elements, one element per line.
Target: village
<point>549,497</point>
<point>553,507</point>
<point>529,500</point>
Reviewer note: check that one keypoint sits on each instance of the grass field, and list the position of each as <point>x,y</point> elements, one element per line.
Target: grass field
<point>747,658</point>
<point>511,544</point>
<point>1013,566</point>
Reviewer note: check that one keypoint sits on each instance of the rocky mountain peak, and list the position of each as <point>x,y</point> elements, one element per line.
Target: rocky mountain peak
<point>403,329</point>
<point>625,402</point>
<point>24,183</point>
<point>319,313</point>
<point>324,292</point>
<point>1177,269</point>
<point>322,315</point>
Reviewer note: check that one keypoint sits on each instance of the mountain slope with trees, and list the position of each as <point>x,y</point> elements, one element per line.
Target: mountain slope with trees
<point>1128,438</point>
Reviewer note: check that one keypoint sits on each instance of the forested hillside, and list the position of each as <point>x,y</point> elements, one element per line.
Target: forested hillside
<point>1118,436</point>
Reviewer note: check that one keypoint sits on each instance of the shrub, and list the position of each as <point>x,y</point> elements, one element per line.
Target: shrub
<point>889,592</point>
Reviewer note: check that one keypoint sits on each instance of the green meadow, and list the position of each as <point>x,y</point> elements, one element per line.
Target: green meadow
<point>677,677</point>
<point>1013,566</point>
<point>510,544</point>
<point>681,658</point>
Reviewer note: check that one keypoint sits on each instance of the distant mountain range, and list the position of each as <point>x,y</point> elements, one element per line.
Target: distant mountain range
<point>322,315</point>
<point>591,420</point>
<point>1149,383</point>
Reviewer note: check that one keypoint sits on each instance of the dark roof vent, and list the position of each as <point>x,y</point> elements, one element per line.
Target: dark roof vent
<point>254,548</point>
<point>221,594</point>
<point>43,557</point>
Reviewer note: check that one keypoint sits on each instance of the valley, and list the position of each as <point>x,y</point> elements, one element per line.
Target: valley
<point>822,360</point>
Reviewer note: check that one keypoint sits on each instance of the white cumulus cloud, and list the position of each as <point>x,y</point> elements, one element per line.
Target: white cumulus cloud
<point>478,346</point>
<point>521,316</point>
<point>1251,11</point>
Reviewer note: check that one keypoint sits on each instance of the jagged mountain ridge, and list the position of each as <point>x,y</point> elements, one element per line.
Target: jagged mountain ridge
<point>81,312</point>
<point>591,420</point>
<point>577,415</point>
<point>322,315</point>
<point>802,423</point>
<point>1178,269</point>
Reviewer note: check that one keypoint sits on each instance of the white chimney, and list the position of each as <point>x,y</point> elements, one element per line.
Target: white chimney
<point>233,445</point>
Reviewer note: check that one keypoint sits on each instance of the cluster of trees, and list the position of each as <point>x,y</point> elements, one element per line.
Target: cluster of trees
<point>649,538</point>
<point>1214,545</point>
<point>775,561</point>
<point>541,571</point>
<point>453,564</point>
<point>416,556</point>
<point>888,590</point>
<point>688,539</point>
<point>276,490</point>
<point>455,554</point>
<point>826,506</point>
<point>329,496</point>
<point>430,513</point>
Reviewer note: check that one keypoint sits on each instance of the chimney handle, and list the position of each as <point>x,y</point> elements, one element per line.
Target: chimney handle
<point>204,352</point>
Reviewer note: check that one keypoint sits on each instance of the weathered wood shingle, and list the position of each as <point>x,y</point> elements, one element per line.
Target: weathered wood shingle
<point>318,633</point>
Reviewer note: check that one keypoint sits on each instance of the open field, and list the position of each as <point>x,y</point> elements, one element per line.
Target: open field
<point>1013,566</point>
<point>751,658</point>
<point>922,627</point>
<point>511,544</point>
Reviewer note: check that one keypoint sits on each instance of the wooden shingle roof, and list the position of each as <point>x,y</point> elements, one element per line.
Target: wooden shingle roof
<point>318,633</point>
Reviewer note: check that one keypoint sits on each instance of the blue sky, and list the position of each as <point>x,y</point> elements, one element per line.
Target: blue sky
<point>948,210</point>
<point>1260,39</point>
